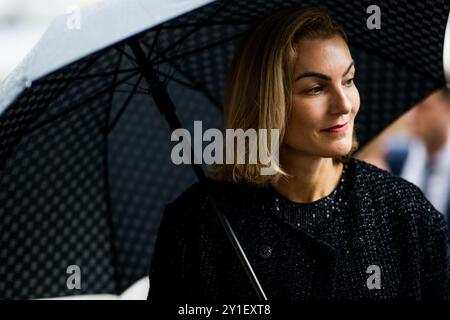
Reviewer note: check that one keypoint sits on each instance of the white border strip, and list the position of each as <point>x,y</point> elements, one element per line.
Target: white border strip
<point>446,53</point>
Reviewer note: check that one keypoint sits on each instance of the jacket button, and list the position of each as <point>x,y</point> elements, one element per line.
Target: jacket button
<point>265,251</point>
<point>358,243</point>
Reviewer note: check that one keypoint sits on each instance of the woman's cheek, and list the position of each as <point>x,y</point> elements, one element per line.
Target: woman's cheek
<point>357,101</point>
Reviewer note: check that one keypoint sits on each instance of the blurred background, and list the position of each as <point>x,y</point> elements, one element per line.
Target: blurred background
<point>416,147</point>
<point>22,23</point>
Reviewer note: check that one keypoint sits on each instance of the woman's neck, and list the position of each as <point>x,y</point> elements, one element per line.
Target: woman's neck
<point>311,178</point>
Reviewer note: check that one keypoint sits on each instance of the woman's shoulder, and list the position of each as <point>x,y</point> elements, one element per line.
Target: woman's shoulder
<point>390,191</point>
<point>373,177</point>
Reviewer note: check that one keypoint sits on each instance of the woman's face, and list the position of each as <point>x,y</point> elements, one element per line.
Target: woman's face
<point>324,96</point>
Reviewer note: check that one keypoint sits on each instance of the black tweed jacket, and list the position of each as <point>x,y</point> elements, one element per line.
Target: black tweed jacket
<point>390,228</point>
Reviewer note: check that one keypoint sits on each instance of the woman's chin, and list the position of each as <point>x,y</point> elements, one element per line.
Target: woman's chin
<point>339,151</point>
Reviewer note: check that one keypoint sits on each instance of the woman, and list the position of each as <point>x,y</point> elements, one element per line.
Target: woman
<point>325,225</point>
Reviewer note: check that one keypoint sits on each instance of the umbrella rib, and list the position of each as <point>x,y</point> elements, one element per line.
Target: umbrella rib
<point>124,106</point>
<point>195,85</point>
<point>195,28</point>
<point>153,46</point>
<point>132,85</point>
<point>201,89</point>
<point>181,82</point>
<point>198,87</point>
<point>233,37</point>
<point>192,87</point>
<point>172,72</point>
<point>90,76</point>
<point>86,67</point>
<point>130,58</point>
<point>75,107</point>
<point>128,91</point>
<point>154,43</point>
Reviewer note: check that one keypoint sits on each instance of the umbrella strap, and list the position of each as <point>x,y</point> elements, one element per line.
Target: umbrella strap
<point>167,108</point>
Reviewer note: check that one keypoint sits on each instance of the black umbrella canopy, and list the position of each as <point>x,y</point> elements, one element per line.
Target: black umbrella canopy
<point>85,168</point>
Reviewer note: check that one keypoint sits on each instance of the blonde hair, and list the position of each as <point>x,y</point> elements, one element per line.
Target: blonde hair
<point>261,77</point>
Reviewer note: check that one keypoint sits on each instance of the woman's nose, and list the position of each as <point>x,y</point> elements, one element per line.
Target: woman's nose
<point>341,102</point>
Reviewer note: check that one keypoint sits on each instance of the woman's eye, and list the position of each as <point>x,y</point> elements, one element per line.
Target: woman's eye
<point>349,82</point>
<point>314,90</point>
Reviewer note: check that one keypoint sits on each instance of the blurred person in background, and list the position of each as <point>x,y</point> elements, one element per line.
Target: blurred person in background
<point>375,151</point>
<point>423,157</point>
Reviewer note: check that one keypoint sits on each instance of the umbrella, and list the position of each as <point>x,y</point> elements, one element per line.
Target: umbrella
<point>85,167</point>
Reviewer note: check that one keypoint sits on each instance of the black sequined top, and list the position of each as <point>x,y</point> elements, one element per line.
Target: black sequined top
<point>374,237</point>
<point>318,218</point>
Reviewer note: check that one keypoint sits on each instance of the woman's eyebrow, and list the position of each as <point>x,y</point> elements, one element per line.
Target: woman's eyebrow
<point>349,68</point>
<point>323,76</point>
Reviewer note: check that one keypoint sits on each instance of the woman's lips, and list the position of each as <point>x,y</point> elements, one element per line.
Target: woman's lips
<point>337,129</point>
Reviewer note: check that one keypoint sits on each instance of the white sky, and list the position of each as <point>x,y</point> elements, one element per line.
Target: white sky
<point>22,23</point>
